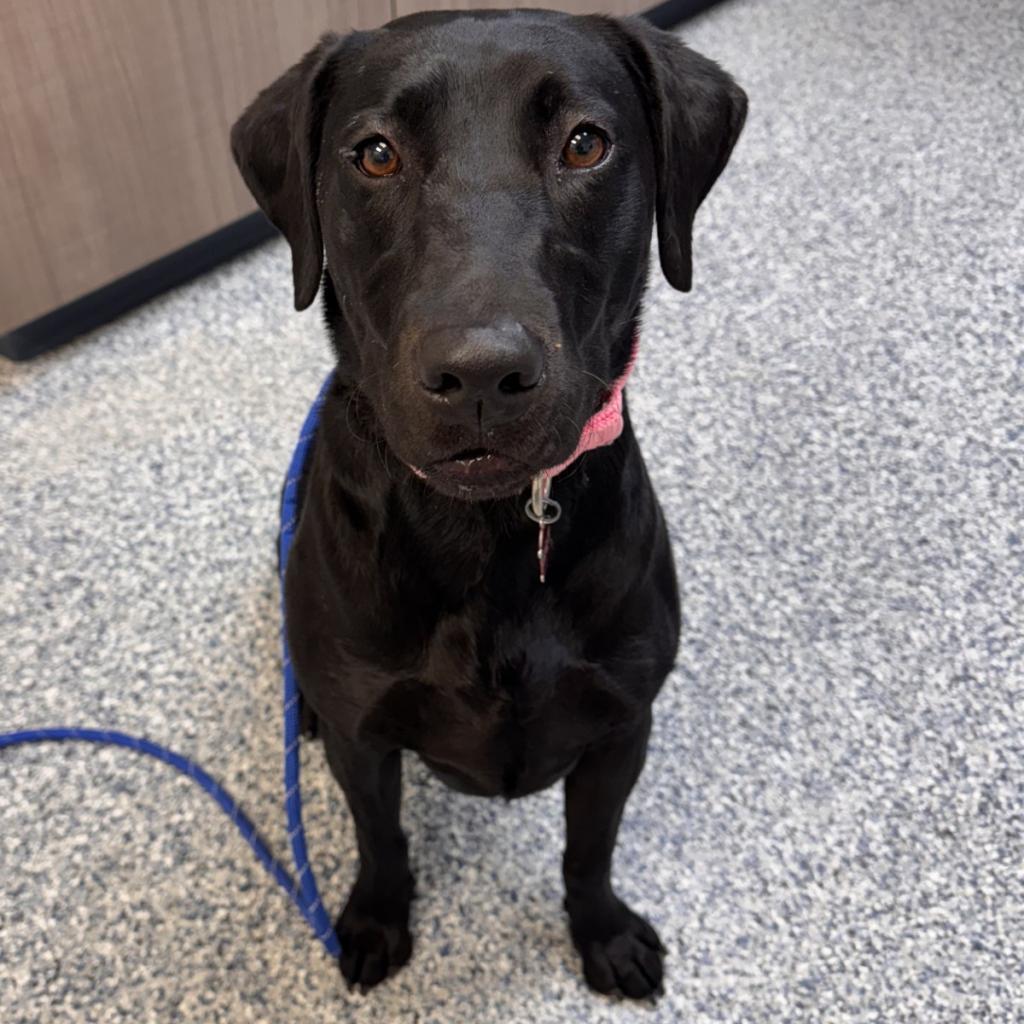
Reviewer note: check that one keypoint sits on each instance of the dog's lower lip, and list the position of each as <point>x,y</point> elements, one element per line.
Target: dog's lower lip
<point>473,455</point>
<point>475,465</point>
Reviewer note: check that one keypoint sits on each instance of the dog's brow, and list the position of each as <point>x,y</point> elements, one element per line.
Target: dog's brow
<point>415,104</point>
<point>549,97</point>
<point>554,98</point>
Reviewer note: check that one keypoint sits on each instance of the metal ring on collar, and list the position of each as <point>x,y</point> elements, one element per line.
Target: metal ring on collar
<point>550,513</point>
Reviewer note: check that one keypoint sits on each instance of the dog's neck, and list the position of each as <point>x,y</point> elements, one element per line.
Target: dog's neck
<point>379,511</point>
<point>457,543</point>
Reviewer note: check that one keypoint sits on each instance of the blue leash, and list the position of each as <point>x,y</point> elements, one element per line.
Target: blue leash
<point>302,888</point>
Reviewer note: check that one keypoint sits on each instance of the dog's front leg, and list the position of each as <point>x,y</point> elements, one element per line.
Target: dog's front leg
<point>620,949</point>
<point>374,926</point>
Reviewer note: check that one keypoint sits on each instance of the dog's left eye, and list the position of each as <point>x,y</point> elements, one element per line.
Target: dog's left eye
<point>377,158</point>
<point>587,147</point>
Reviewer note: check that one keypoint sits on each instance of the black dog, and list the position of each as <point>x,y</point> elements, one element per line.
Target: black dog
<point>482,189</point>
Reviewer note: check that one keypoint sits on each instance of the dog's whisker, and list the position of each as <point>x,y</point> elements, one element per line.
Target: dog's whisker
<point>600,380</point>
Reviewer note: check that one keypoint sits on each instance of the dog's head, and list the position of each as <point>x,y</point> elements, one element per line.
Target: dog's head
<point>482,188</point>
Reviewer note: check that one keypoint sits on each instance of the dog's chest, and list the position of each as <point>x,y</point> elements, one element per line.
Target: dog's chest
<point>506,711</point>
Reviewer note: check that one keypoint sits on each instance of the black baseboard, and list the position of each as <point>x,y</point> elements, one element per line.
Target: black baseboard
<point>126,293</point>
<point>674,12</point>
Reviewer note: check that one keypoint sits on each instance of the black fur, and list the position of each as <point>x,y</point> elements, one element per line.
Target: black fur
<point>415,614</point>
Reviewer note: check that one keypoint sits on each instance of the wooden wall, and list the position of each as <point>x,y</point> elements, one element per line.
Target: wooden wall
<point>114,117</point>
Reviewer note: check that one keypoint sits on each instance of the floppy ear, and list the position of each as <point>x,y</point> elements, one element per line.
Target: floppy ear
<point>697,112</point>
<point>276,144</point>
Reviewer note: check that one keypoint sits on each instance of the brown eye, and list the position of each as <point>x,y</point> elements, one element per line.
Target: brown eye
<point>377,158</point>
<point>586,147</point>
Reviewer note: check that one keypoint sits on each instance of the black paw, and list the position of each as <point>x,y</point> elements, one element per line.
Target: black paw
<point>375,940</point>
<point>620,950</point>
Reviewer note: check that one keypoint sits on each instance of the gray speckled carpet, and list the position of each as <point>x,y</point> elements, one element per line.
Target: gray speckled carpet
<point>829,828</point>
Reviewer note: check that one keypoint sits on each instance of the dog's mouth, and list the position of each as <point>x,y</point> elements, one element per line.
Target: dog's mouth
<point>477,473</point>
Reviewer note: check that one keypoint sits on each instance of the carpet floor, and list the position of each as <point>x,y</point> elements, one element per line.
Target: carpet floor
<point>829,828</point>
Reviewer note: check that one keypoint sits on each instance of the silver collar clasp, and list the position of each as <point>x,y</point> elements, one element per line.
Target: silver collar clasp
<point>543,510</point>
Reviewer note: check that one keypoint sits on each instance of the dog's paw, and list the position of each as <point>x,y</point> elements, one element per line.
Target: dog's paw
<point>620,951</point>
<point>375,942</point>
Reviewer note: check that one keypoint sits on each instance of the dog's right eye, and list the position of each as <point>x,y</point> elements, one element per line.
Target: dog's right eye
<point>377,158</point>
<point>587,147</point>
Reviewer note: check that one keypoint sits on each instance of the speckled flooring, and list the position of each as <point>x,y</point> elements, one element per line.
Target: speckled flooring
<point>829,826</point>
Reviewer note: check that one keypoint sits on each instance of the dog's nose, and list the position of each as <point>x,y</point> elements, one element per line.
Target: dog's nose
<point>482,375</point>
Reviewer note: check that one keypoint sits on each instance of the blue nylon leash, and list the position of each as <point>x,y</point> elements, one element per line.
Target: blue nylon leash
<point>302,888</point>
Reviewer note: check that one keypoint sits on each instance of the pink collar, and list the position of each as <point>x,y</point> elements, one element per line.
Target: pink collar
<point>605,425</point>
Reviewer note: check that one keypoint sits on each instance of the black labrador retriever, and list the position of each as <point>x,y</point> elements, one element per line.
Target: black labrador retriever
<point>474,194</point>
